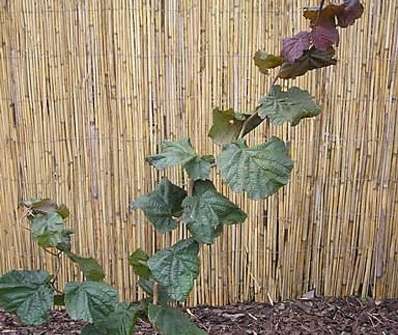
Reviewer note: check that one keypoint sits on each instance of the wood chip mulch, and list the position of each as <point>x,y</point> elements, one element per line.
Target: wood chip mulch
<point>313,316</point>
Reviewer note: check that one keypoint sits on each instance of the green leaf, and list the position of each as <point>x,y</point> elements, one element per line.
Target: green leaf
<point>121,321</point>
<point>173,153</point>
<point>49,231</point>
<point>89,266</point>
<point>147,286</point>
<point>28,294</point>
<point>265,61</point>
<point>93,330</point>
<point>176,268</point>
<point>291,106</point>
<point>260,171</point>
<point>162,205</point>
<point>59,300</point>
<point>89,301</point>
<point>199,168</point>
<point>207,210</point>
<point>228,124</point>
<point>170,321</point>
<point>311,60</point>
<point>138,260</point>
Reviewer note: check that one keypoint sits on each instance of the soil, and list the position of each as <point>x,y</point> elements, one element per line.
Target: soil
<point>313,316</point>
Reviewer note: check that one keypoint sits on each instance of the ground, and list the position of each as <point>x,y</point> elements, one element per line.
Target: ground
<point>314,316</point>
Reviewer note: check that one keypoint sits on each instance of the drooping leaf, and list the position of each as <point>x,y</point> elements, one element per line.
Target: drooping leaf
<point>173,153</point>
<point>352,10</point>
<point>162,205</point>
<point>265,61</point>
<point>260,171</point>
<point>170,321</point>
<point>176,268</point>
<point>147,286</point>
<point>291,106</point>
<point>89,301</point>
<point>228,124</point>
<point>138,260</point>
<point>121,321</point>
<point>325,36</point>
<point>89,266</point>
<point>294,47</point>
<point>207,210</point>
<point>312,59</point>
<point>49,231</point>
<point>28,294</point>
<point>199,168</point>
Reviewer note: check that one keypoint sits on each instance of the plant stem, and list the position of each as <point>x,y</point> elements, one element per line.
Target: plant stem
<point>255,114</point>
<point>155,293</point>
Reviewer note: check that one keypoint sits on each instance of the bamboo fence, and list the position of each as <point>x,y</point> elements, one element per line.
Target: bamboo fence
<point>89,88</point>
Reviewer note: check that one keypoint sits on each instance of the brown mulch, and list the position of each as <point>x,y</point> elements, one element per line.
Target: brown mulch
<point>314,316</point>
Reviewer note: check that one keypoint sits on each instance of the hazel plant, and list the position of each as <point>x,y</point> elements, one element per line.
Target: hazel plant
<point>168,275</point>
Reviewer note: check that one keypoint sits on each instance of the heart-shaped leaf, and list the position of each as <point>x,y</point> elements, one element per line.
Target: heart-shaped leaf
<point>90,301</point>
<point>176,268</point>
<point>207,210</point>
<point>260,171</point>
<point>173,153</point>
<point>265,61</point>
<point>170,321</point>
<point>89,266</point>
<point>28,294</point>
<point>162,205</point>
<point>312,59</point>
<point>291,106</point>
<point>138,260</point>
<point>199,168</point>
<point>294,47</point>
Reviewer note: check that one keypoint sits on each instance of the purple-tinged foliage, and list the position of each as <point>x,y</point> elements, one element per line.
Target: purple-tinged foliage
<point>294,47</point>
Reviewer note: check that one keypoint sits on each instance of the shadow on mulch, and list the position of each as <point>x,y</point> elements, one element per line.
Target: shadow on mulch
<point>314,316</point>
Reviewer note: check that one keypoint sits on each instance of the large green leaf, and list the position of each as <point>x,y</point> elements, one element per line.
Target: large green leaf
<point>170,321</point>
<point>89,301</point>
<point>138,260</point>
<point>199,168</point>
<point>227,125</point>
<point>290,106</point>
<point>173,153</point>
<point>162,205</point>
<point>176,268</point>
<point>89,266</point>
<point>260,171</point>
<point>28,294</point>
<point>49,231</point>
<point>265,61</point>
<point>207,210</point>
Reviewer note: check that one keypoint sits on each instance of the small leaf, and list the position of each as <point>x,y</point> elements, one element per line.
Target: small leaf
<point>324,36</point>
<point>199,168</point>
<point>312,59</point>
<point>294,47</point>
<point>291,106</point>
<point>352,10</point>
<point>170,321</point>
<point>173,153</point>
<point>228,124</point>
<point>89,266</point>
<point>28,294</point>
<point>265,61</point>
<point>89,301</point>
<point>176,268</point>
<point>63,211</point>
<point>162,205</point>
<point>138,260</point>
<point>207,210</point>
<point>260,171</point>
<point>49,231</point>
<point>147,286</point>
<point>41,206</point>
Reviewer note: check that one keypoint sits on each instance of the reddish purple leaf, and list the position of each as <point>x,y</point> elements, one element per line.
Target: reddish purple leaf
<point>352,10</point>
<point>293,47</point>
<point>324,36</point>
